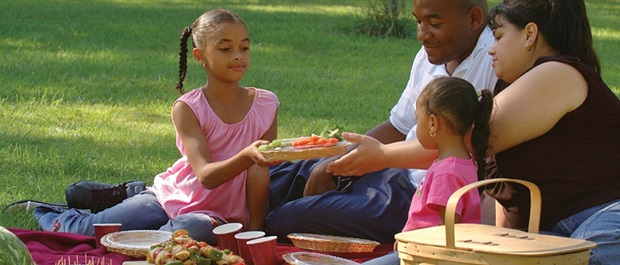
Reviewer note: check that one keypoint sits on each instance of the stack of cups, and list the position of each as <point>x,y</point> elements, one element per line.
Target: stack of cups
<point>252,246</point>
<point>242,239</point>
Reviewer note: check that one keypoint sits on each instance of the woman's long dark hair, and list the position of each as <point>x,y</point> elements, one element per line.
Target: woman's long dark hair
<point>456,101</point>
<point>563,24</point>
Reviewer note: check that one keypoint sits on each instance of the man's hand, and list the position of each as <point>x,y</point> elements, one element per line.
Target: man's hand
<point>367,157</point>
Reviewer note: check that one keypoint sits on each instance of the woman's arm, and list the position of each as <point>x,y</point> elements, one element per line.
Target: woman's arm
<point>534,103</point>
<point>211,174</point>
<point>527,109</point>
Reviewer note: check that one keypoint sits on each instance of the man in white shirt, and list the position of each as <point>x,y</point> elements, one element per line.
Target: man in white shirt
<point>455,40</point>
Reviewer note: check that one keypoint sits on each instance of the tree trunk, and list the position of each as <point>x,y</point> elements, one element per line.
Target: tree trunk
<point>395,9</point>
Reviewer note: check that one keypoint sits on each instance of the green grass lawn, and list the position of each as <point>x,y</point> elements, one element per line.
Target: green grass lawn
<point>87,86</point>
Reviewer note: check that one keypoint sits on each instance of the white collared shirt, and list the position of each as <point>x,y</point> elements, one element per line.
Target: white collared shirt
<point>477,68</point>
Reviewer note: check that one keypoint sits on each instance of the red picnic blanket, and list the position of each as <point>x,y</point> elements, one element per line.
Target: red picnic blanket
<point>51,248</point>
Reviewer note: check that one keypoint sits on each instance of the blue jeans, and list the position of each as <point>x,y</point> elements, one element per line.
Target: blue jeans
<point>374,206</point>
<point>600,224</point>
<point>388,259</point>
<point>140,212</point>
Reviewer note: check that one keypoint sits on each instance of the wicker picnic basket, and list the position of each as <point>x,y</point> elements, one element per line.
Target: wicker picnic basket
<point>329,243</point>
<point>291,154</point>
<point>134,243</point>
<point>484,244</point>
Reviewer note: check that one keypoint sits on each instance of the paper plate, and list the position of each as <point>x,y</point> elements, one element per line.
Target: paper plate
<point>134,243</point>
<point>329,243</point>
<point>309,258</point>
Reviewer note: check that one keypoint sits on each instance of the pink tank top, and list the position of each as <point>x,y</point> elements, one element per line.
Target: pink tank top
<point>180,192</point>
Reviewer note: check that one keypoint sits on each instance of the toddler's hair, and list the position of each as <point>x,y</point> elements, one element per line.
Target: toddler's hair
<point>200,31</point>
<point>456,101</point>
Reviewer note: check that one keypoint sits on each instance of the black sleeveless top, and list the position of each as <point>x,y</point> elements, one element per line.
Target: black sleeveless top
<point>576,164</point>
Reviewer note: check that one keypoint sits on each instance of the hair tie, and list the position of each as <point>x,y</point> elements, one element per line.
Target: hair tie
<point>189,30</point>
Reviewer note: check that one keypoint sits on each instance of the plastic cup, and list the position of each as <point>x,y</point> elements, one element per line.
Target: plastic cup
<point>242,239</point>
<point>104,229</point>
<point>225,235</point>
<point>263,250</point>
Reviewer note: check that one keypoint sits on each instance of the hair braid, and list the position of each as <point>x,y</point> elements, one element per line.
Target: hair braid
<point>185,35</point>
<point>481,131</point>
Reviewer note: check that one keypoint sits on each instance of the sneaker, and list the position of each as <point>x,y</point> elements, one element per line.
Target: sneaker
<point>98,196</point>
<point>27,205</point>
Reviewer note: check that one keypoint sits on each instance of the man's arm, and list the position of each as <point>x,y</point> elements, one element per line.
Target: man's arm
<point>386,133</point>
<point>320,181</point>
<point>371,155</point>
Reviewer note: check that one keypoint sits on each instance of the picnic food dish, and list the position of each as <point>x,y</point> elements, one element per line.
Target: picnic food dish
<point>329,243</point>
<point>183,250</point>
<point>309,258</point>
<point>328,143</point>
<point>133,243</point>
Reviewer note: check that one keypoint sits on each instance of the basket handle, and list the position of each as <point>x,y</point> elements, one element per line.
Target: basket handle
<point>456,196</point>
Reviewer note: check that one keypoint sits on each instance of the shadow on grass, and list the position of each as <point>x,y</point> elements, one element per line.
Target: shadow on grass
<point>115,52</point>
<point>102,51</point>
<point>37,160</point>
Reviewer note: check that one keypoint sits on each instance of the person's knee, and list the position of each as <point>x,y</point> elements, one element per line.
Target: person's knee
<point>291,217</point>
<point>199,226</point>
<point>258,180</point>
<point>280,219</point>
<point>258,172</point>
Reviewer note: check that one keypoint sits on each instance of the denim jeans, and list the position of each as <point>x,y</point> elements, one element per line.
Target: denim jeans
<point>374,206</point>
<point>140,212</point>
<point>600,224</point>
<point>388,259</point>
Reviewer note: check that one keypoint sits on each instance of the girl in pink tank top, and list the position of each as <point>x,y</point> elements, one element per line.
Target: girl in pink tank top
<point>219,128</point>
<point>221,176</point>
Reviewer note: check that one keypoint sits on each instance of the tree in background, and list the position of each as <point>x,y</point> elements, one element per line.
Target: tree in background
<point>384,18</point>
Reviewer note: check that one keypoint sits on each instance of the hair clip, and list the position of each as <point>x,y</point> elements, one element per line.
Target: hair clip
<point>479,96</point>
